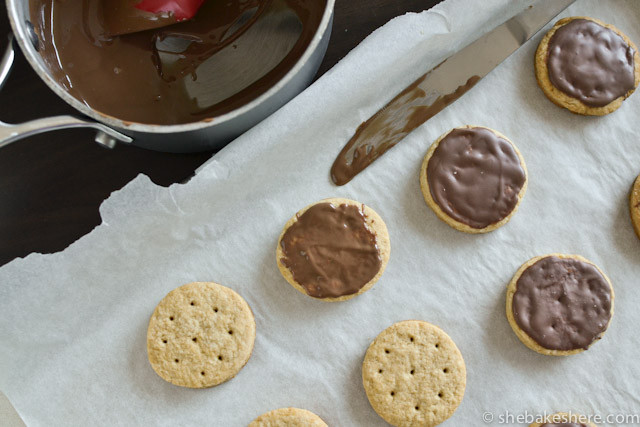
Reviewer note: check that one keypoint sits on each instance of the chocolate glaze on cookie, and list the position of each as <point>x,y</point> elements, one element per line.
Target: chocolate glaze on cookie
<point>562,303</point>
<point>475,177</point>
<point>330,250</point>
<point>591,63</point>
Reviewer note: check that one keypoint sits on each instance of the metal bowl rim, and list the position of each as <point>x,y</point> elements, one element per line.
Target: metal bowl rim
<point>30,53</point>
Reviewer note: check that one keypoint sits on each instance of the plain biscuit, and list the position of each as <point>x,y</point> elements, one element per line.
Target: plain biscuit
<point>458,225</point>
<point>200,335</point>
<point>414,375</point>
<point>288,417</point>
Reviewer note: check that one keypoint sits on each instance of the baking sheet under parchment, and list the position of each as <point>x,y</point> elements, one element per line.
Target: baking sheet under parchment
<point>73,324</point>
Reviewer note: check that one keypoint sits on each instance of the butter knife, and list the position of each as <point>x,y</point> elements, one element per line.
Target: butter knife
<point>439,88</point>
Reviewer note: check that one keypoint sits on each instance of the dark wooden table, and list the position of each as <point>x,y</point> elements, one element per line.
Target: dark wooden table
<point>51,185</point>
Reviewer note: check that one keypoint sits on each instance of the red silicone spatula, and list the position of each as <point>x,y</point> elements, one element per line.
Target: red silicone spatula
<point>131,16</point>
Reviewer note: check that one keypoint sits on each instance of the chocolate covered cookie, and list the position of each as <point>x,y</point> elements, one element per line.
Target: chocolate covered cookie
<point>473,178</point>
<point>559,305</point>
<point>333,250</point>
<point>587,66</point>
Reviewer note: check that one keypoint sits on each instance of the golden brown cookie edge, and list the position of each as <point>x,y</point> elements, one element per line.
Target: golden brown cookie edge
<point>634,206</point>
<point>307,417</point>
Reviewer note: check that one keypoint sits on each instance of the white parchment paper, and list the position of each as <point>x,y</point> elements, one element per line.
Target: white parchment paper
<point>73,324</point>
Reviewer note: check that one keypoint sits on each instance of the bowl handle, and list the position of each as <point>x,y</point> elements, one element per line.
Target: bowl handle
<point>12,132</point>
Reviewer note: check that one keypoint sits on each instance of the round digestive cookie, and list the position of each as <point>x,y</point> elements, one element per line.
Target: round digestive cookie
<point>414,374</point>
<point>562,419</point>
<point>587,66</point>
<point>473,178</point>
<point>333,250</point>
<point>634,206</point>
<point>200,335</point>
<point>288,417</point>
<point>559,305</point>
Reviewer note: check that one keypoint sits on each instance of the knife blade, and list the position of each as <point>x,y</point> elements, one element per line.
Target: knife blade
<point>440,87</point>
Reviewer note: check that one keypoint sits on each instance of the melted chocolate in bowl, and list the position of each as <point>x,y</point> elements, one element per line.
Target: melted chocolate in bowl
<point>228,55</point>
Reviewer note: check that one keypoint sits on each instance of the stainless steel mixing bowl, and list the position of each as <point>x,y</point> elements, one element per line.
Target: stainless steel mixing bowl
<point>191,137</point>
